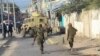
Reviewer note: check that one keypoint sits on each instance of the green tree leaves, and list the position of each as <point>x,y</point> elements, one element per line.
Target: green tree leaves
<point>78,5</point>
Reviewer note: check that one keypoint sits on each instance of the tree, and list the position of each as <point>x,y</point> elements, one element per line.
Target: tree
<point>94,4</point>
<point>79,5</point>
<point>73,6</point>
<point>17,10</point>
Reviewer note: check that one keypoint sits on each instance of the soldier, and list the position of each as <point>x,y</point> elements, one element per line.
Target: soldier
<point>40,37</point>
<point>71,33</point>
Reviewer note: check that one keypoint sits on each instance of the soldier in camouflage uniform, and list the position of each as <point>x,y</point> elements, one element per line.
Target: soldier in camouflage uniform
<point>71,33</point>
<point>40,38</point>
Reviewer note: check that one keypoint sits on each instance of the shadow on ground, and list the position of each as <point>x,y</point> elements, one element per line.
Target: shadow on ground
<point>54,51</point>
<point>75,52</point>
<point>5,46</point>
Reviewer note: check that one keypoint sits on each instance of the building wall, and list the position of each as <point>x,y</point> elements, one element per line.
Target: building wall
<point>88,25</point>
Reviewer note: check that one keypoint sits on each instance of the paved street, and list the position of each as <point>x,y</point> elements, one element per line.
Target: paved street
<point>3,41</point>
<point>60,20</point>
<point>23,47</point>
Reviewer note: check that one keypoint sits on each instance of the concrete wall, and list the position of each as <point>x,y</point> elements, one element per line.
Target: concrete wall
<point>88,25</point>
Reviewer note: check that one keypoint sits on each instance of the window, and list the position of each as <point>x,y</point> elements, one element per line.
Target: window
<point>41,20</point>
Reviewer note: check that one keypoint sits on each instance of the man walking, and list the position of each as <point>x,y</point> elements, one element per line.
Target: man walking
<point>19,28</point>
<point>4,30</point>
<point>40,38</point>
<point>10,29</point>
<point>71,34</point>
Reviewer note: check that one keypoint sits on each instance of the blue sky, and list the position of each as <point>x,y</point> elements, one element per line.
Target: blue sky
<point>23,4</point>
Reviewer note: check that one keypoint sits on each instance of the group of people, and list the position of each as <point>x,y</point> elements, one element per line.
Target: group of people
<point>7,29</point>
<point>40,36</point>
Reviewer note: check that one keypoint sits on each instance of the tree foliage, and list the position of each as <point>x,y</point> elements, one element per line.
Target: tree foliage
<point>78,5</point>
<point>93,4</point>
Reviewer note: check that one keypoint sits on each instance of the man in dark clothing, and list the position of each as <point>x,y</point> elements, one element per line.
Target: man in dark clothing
<point>4,30</point>
<point>71,34</point>
<point>10,29</point>
<point>19,27</point>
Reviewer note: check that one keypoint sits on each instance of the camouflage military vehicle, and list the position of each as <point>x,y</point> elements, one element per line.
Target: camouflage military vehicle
<point>35,20</point>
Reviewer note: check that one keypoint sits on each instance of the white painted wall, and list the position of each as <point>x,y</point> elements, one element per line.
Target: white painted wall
<point>90,24</point>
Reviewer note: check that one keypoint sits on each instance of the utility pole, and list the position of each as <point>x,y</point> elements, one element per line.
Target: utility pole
<point>14,15</point>
<point>2,16</point>
<point>8,9</point>
<point>49,12</point>
<point>3,5</point>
